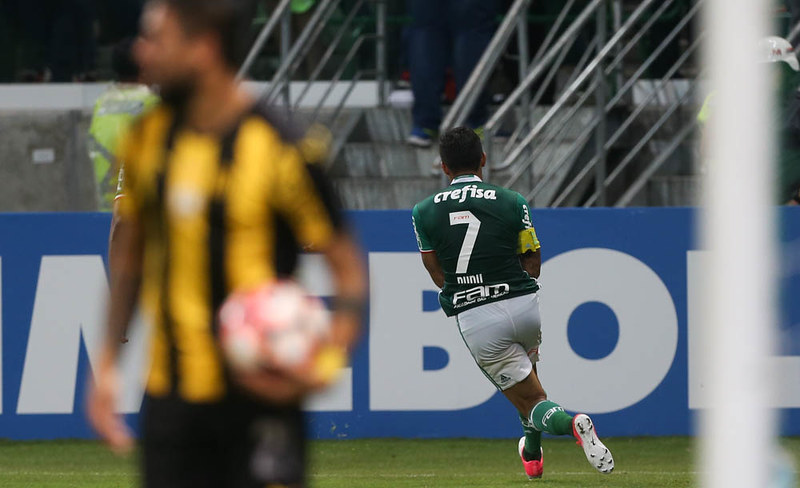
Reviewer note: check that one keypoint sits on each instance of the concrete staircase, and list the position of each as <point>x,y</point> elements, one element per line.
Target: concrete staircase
<point>373,167</point>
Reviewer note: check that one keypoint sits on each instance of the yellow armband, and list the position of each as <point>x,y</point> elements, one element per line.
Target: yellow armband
<point>528,241</point>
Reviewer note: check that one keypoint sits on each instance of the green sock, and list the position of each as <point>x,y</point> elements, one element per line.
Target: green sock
<point>549,417</point>
<point>533,440</point>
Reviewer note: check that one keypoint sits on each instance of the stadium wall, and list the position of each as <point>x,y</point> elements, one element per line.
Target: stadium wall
<point>621,330</point>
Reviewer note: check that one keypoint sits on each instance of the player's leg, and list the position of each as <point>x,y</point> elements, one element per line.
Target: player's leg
<point>473,25</point>
<point>489,335</point>
<point>179,445</point>
<point>503,338</point>
<point>528,395</point>
<point>543,414</point>
<point>524,395</point>
<point>428,49</point>
<point>265,445</point>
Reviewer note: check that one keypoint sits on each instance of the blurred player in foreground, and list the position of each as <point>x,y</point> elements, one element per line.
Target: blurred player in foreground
<point>219,197</point>
<point>479,246</point>
<point>115,110</point>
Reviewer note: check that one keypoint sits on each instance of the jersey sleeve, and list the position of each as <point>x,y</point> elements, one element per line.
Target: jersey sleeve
<point>305,196</point>
<point>423,242</point>
<point>120,182</point>
<point>527,238</point>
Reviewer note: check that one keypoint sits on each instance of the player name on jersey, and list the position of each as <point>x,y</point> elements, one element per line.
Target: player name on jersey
<point>470,280</point>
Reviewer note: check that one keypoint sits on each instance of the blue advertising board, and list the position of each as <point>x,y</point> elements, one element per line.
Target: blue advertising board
<point>620,334</point>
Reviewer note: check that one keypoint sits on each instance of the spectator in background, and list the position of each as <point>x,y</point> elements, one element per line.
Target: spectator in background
<point>72,49</point>
<point>114,111</point>
<point>783,58</point>
<point>58,37</point>
<point>778,55</point>
<point>441,31</point>
<point>31,20</point>
<point>793,6</point>
<point>124,17</point>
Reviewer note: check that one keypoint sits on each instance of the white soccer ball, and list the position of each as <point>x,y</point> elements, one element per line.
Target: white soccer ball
<point>277,325</point>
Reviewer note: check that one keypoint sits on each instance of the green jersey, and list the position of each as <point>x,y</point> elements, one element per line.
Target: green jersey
<point>477,231</point>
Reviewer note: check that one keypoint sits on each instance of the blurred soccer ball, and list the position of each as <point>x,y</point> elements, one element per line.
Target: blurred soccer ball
<point>276,325</point>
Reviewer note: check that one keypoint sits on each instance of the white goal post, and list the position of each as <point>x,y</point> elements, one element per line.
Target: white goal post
<point>737,228</point>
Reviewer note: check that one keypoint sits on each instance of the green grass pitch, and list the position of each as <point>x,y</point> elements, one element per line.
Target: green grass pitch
<point>641,463</point>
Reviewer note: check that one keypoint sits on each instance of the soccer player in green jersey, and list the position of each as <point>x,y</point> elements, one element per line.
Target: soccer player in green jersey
<point>479,246</point>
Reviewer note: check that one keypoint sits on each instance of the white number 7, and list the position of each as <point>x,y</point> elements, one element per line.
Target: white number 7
<point>474,225</point>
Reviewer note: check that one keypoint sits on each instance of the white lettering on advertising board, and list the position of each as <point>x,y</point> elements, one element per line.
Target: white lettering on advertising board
<point>399,331</point>
<point>785,369</point>
<point>648,330</point>
<point>72,292</point>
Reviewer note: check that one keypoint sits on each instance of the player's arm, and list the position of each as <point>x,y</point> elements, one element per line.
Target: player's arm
<point>347,266</point>
<point>125,264</point>
<point>113,236</point>
<point>531,262</point>
<point>528,245</point>
<point>429,258</point>
<point>431,263</point>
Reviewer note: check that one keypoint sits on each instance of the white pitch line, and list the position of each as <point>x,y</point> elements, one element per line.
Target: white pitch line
<point>59,473</point>
<point>473,475</point>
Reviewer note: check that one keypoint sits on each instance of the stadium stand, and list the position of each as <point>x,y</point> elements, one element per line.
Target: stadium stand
<point>546,138</point>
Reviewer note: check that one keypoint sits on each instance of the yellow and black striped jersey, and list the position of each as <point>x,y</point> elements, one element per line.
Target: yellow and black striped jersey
<point>218,214</point>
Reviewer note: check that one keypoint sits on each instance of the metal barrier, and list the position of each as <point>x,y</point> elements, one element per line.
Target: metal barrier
<point>597,85</point>
<point>294,52</point>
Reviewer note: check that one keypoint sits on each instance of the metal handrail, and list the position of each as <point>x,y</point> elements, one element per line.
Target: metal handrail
<point>578,68</point>
<point>552,168</point>
<point>548,131</point>
<point>562,16</point>
<point>539,68</point>
<point>639,109</point>
<point>517,133</point>
<point>574,149</point>
<point>589,70</point>
<point>485,66</point>
<point>310,33</point>
<point>338,75</point>
<point>656,52</point>
<point>647,138</point>
<point>642,180</point>
<point>294,53</point>
<point>644,103</point>
<point>328,53</point>
<point>794,34</point>
<point>263,36</point>
<point>550,77</point>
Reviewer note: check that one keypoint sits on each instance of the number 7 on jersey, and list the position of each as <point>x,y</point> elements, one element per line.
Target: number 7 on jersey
<point>473,226</point>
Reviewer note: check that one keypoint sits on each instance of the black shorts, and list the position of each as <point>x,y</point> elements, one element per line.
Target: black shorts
<point>236,443</point>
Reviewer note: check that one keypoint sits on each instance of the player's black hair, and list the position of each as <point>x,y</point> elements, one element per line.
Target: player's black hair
<point>230,20</point>
<point>460,149</point>
<point>122,62</point>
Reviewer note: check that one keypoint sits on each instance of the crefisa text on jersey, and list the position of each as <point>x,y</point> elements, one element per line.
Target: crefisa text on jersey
<point>461,194</point>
